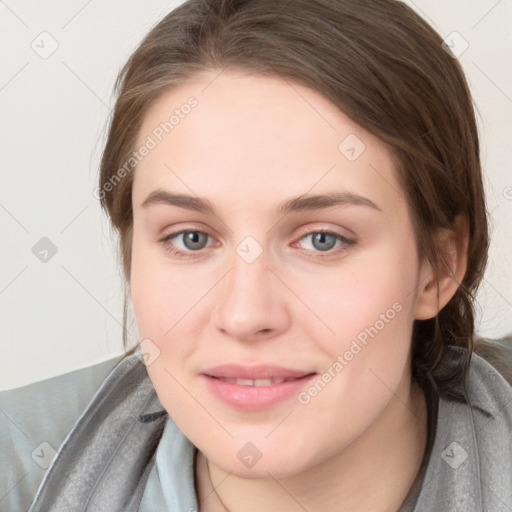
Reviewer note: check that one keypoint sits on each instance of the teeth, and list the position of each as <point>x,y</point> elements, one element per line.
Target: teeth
<point>263,382</point>
<point>254,382</point>
<point>244,382</point>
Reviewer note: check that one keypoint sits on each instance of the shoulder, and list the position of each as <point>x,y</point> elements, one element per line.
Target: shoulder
<point>35,420</point>
<point>498,353</point>
<point>488,384</point>
<point>490,398</point>
<point>470,466</point>
<point>110,449</point>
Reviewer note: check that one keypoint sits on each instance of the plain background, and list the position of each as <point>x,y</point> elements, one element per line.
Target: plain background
<point>65,313</point>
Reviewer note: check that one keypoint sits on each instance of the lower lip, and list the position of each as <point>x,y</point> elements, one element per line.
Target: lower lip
<point>253,398</point>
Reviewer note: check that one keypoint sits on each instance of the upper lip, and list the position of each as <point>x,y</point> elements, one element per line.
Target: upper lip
<point>233,371</point>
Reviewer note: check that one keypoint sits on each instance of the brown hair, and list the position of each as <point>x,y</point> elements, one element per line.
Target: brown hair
<point>384,67</point>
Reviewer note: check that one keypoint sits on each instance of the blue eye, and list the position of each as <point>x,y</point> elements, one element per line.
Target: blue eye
<point>325,241</point>
<point>322,241</point>
<point>193,241</point>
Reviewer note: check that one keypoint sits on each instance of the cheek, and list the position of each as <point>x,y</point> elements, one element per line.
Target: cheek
<point>171,309</point>
<point>374,294</point>
<point>159,297</point>
<point>162,304</point>
<point>371,311</point>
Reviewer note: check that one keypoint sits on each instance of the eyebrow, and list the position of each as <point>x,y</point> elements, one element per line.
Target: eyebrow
<point>296,204</point>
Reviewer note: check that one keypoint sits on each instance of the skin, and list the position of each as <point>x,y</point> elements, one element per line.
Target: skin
<point>251,143</point>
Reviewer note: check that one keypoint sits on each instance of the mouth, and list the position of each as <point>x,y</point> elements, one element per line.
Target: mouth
<point>256,382</point>
<point>255,388</point>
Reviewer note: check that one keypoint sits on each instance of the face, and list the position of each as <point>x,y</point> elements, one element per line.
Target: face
<point>274,273</point>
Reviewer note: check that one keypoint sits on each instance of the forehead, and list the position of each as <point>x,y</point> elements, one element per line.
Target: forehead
<point>232,133</point>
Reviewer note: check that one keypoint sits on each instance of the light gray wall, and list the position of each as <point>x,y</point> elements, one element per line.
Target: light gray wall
<point>65,313</point>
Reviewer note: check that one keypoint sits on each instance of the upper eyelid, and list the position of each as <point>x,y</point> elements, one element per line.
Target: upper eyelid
<point>182,232</point>
<point>332,231</point>
<point>301,235</point>
<point>303,231</point>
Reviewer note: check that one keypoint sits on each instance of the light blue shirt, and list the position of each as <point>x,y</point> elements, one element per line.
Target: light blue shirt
<point>170,485</point>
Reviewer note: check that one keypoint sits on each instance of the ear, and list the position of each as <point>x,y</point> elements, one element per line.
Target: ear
<point>438,287</point>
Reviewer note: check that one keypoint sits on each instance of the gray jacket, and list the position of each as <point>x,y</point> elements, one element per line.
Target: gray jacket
<point>105,461</point>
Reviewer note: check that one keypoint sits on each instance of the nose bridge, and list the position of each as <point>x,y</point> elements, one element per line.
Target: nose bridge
<point>248,264</point>
<point>249,300</point>
<point>248,280</point>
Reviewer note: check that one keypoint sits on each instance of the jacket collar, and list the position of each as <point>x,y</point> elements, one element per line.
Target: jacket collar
<point>104,462</point>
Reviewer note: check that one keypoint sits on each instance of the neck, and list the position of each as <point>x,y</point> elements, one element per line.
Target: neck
<point>375,473</point>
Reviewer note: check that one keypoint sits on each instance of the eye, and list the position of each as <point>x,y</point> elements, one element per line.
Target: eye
<point>187,241</point>
<point>183,244</point>
<point>326,241</point>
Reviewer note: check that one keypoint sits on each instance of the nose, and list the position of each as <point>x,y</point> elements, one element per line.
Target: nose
<point>251,302</point>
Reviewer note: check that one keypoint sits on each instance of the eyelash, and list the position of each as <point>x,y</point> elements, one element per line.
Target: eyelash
<point>191,254</point>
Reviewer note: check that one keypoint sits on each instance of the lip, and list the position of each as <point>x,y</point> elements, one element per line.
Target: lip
<point>254,398</point>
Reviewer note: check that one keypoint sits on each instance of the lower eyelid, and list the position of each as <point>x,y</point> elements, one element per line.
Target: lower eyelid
<point>337,236</point>
<point>172,236</point>
<point>345,244</point>
<point>166,240</point>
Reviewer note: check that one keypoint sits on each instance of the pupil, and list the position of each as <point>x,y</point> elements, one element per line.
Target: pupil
<point>193,239</point>
<point>321,238</point>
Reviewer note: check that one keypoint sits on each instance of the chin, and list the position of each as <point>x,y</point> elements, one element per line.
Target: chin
<point>265,462</point>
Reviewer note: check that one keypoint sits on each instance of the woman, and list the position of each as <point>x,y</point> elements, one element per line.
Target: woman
<point>298,194</point>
